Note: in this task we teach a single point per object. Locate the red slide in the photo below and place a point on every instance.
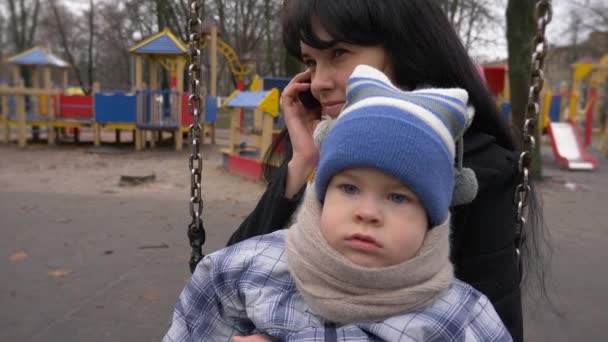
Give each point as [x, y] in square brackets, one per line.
[568, 148]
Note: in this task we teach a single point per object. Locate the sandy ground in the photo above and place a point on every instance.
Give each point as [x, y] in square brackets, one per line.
[83, 258]
[84, 169]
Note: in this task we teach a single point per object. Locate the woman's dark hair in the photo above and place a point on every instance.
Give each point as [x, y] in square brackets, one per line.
[424, 50]
[423, 47]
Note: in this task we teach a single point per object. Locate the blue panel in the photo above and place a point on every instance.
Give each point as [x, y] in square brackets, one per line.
[36, 56]
[505, 108]
[161, 45]
[275, 82]
[115, 108]
[248, 99]
[556, 103]
[210, 108]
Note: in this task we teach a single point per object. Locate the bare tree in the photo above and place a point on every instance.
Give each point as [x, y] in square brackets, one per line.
[472, 19]
[520, 31]
[63, 34]
[23, 18]
[595, 13]
[116, 34]
[90, 60]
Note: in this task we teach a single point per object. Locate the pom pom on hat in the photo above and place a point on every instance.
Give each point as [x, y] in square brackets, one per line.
[408, 134]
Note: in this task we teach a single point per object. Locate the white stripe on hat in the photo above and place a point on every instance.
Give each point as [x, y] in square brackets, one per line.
[420, 112]
[456, 96]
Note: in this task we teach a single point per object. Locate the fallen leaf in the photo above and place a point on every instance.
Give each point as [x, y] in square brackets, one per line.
[59, 273]
[19, 256]
[151, 296]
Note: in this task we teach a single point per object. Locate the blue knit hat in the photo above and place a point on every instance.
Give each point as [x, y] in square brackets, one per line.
[408, 134]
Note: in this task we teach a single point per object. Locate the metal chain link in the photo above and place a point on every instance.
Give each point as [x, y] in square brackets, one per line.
[542, 16]
[196, 231]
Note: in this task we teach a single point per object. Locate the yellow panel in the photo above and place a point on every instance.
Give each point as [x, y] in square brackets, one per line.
[118, 126]
[68, 124]
[546, 105]
[581, 70]
[37, 123]
[270, 103]
[256, 84]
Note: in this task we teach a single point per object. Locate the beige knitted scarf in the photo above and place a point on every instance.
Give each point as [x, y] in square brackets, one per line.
[343, 292]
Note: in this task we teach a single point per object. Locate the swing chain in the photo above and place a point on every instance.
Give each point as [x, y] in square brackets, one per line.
[196, 231]
[542, 16]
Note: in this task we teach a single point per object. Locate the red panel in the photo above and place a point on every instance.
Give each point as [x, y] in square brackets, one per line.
[187, 118]
[495, 77]
[76, 106]
[245, 167]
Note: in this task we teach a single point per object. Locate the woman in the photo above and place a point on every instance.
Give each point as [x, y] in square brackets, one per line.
[415, 45]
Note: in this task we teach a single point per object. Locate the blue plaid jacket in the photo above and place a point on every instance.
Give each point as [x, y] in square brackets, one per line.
[246, 289]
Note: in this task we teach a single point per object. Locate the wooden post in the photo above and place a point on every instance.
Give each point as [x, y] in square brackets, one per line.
[20, 113]
[95, 126]
[36, 101]
[213, 72]
[64, 83]
[573, 111]
[235, 131]
[152, 139]
[138, 132]
[266, 140]
[5, 114]
[16, 75]
[96, 134]
[258, 120]
[155, 110]
[176, 103]
[139, 144]
[178, 137]
[48, 85]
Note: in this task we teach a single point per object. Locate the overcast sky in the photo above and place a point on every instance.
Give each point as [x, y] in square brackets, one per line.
[556, 31]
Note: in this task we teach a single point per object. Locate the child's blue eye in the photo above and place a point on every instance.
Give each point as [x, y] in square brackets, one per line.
[349, 189]
[397, 198]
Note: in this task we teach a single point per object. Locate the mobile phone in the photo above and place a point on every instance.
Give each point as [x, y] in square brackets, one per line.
[308, 100]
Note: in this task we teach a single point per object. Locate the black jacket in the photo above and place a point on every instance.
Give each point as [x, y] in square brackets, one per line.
[483, 249]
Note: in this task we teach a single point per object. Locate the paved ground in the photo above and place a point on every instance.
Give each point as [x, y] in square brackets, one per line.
[84, 259]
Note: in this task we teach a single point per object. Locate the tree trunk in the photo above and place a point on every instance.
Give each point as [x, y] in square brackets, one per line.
[66, 45]
[520, 32]
[90, 66]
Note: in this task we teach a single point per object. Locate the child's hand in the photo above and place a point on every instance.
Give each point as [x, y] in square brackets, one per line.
[252, 338]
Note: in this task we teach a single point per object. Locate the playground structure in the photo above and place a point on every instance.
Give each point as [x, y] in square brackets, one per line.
[34, 106]
[244, 157]
[159, 110]
[497, 81]
[561, 114]
[147, 110]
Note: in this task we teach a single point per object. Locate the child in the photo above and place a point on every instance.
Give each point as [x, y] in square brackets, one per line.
[367, 257]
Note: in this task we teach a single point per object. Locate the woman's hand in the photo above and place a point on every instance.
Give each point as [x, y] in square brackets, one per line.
[252, 338]
[301, 123]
